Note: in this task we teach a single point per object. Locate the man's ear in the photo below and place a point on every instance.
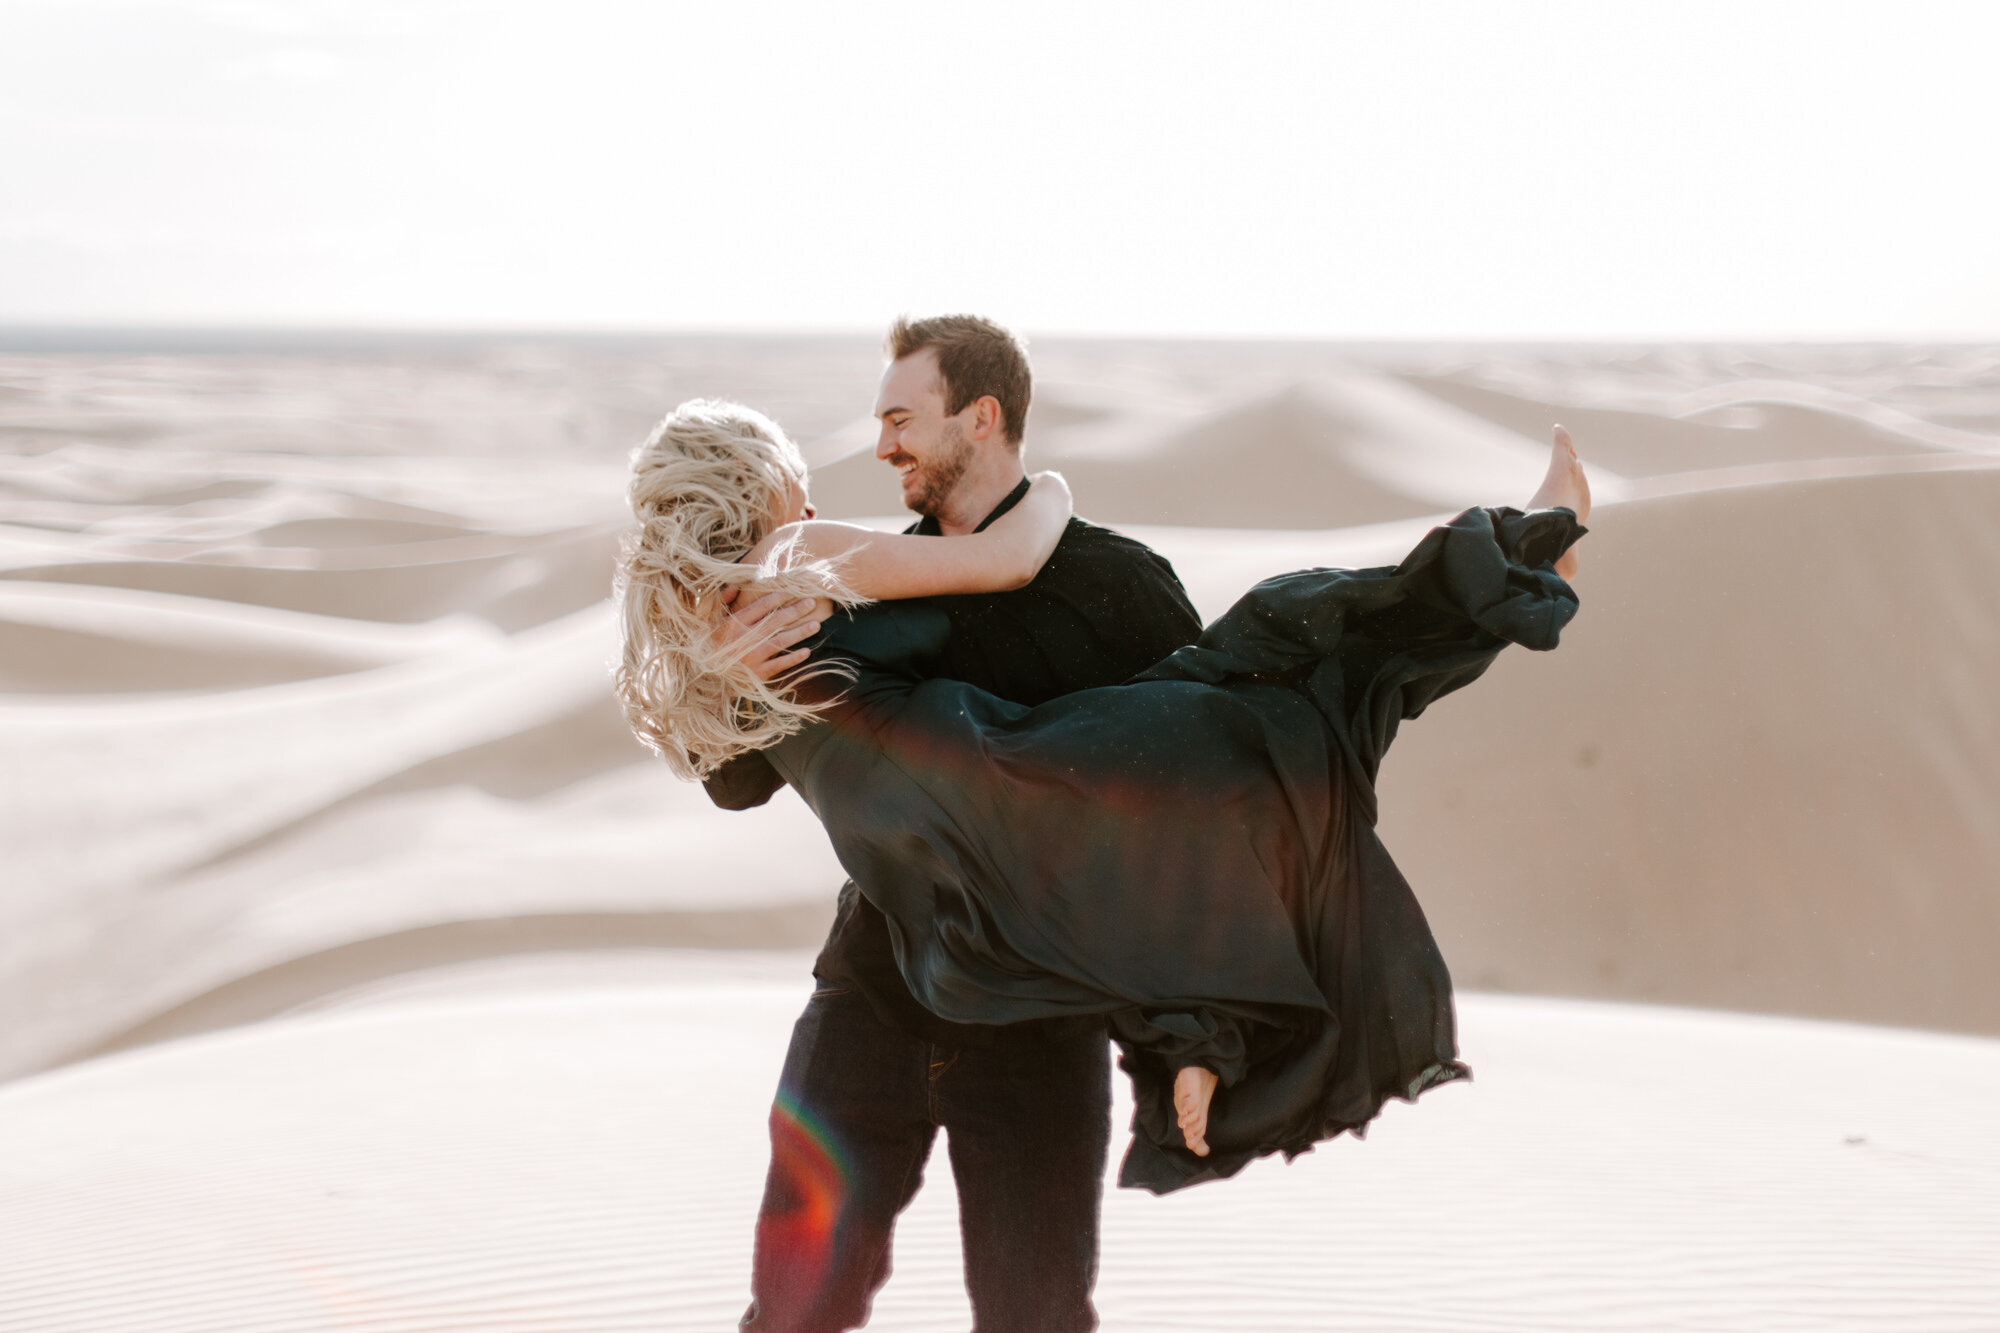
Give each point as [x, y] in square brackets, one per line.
[987, 418]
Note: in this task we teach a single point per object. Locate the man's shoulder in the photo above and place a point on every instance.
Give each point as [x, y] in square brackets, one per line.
[1084, 536]
[1099, 553]
[1102, 559]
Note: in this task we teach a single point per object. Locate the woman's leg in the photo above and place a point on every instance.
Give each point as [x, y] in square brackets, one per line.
[1564, 487]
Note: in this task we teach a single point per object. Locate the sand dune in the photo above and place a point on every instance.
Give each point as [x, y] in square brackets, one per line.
[255, 715]
[91, 639]
[1733, 430]
[177, 844]
[303, 658]
[305, 731]
[1235, 460]
[387, 396]
[1335, 449]
[528, 1153]
[1936, 396]
[1761, 772]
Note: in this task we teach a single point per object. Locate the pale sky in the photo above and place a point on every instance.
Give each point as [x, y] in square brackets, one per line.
[1620, 168]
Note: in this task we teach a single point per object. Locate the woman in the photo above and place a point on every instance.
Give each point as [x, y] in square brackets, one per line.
[1191, 854]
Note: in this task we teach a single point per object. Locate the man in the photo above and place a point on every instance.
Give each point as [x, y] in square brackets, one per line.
[871, 1075]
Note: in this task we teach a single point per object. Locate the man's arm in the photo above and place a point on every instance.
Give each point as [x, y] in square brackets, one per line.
[1150, 615]
[743, 783]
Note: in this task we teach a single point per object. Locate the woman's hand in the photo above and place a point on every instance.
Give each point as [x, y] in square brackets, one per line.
[762, 631]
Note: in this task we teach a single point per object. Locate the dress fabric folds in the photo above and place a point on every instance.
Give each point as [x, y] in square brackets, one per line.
[1191, 854]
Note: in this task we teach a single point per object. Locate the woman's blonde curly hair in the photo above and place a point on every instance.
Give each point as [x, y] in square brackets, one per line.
[704, 486]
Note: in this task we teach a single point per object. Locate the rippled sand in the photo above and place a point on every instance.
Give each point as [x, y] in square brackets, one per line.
[578, 1145]
[304, 687]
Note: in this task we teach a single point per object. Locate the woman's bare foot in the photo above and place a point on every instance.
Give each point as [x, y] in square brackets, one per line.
[1564, 485]
[1193, 1087]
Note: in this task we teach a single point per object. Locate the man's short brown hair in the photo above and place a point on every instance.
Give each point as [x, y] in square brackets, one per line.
[976, 359]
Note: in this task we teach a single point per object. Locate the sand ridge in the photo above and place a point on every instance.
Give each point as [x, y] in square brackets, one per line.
[308, 648]
[314, 796]
[1785, 803]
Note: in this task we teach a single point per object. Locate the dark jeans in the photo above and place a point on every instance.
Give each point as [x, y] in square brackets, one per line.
[1029, 1121]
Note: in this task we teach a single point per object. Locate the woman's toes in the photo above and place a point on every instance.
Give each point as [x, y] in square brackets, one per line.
[1193, 1087]
[1564, 484]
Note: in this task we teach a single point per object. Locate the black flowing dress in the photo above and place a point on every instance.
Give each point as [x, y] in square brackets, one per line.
[1192, 853]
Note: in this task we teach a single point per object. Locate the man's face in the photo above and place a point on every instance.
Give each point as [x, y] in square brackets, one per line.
[928, 449]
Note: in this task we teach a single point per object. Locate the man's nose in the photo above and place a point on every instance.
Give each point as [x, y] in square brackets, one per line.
[885, 443]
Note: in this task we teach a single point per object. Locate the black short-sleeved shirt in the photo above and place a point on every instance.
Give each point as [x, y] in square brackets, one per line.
[1101, 610]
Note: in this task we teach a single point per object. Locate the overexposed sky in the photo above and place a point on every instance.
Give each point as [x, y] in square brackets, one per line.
[1620, 168]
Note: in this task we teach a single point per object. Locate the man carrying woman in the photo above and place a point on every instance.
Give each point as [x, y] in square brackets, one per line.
[1188, 857]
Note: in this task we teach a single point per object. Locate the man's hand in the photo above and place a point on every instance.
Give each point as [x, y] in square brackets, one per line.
[763, 631]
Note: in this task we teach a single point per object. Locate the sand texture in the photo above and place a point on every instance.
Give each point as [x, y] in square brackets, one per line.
[518, 1152]
[304, 657]
[1788, 800]
[304, 695]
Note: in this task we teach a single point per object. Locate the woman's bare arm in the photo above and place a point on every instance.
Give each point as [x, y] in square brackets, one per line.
[888, 566]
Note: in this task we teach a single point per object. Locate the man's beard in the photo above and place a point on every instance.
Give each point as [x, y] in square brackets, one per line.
[937, 479]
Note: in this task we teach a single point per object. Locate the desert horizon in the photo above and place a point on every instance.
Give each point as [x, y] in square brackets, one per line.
[360, 971]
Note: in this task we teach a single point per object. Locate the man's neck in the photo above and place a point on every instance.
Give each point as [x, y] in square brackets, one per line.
[976, 494]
